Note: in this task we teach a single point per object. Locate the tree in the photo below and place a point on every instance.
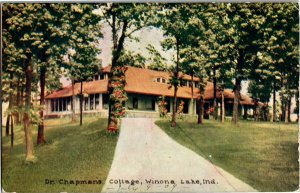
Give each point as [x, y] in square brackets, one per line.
[242, 22]
[156, 60]
[24, 39]
[261, 91]
[124, 20]
[130, 58]
[211, 27]
[82, 43]
[84, 66]
[49, 41]
[278, 52]
[172, 20]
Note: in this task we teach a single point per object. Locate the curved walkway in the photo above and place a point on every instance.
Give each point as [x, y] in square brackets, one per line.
[156, 163]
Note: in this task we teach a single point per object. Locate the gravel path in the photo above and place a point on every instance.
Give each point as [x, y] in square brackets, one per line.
[148, 160]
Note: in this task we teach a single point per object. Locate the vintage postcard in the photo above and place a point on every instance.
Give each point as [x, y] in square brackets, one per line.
[149, 97]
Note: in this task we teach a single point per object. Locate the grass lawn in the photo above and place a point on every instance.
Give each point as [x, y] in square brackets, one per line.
[71, 153]
[262, 154]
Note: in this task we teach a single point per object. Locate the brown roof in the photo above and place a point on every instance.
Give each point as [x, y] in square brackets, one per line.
[228, 94]
[141, 81]
[92, 87]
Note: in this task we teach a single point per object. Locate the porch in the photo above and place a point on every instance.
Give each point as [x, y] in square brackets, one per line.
[137, 105]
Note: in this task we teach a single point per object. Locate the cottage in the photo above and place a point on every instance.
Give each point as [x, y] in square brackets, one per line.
[143, 87]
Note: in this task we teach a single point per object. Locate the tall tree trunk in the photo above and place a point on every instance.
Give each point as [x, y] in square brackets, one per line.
[22, 102]
[26, 118]
[10, 101]
[81, 101]
[192, 91]
[289, 109]
[173, 122]
[11, 131]
[200, 110]
[237, 87]
[40, 135]
[274, 104]
[73, 102]
[283, 110]
[282, 117]
[116, 52]
[7, 124]
[215, 105]
[297, 103]
[286, 117]
[236, 102]
[223, 107]
[17, 115]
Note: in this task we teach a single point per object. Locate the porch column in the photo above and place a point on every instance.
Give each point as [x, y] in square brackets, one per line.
[77, 104]
[48, 106]
[100, 101]
[191, 107]
[156, 106]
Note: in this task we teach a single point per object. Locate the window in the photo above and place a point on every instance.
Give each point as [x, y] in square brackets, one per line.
[184, 83]
[96, 101]
[96, 77]
[92, 102]
[53, 102]
[61, 104]
[69, 104]
[160, 79]
[56, 104]
[86, 103]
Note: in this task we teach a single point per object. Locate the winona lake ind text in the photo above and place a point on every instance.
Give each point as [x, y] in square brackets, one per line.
[131, 182]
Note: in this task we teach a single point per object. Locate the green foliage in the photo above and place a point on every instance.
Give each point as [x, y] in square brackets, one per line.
[132, 59]
[156, 60]
[82, 42]
[260, 91]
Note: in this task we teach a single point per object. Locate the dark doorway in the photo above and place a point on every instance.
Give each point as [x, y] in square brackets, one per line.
[135, 103]
[105, 101]
[153, 104]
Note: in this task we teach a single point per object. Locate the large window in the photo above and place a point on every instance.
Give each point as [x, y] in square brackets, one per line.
[61, 104]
